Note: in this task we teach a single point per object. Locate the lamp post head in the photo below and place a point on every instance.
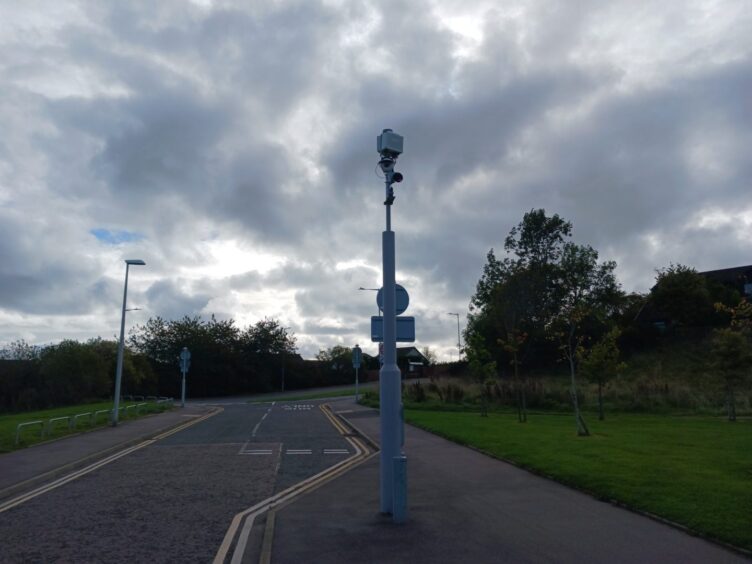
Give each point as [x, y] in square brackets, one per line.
[135, 262]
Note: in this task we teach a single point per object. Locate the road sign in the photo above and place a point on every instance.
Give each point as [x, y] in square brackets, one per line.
[405, 329]
[402, 299]
[357, 356]
[185, 359]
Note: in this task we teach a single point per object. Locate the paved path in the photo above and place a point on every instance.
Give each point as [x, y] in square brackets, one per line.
[467, 507]
[21, 465]
[174, 499]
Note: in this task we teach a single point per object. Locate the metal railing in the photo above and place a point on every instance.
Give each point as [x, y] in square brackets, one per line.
[51, 422]
[74, 421]
[45, 428]
[27, 424]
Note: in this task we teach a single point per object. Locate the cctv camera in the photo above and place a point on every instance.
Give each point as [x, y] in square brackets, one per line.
[389, 143]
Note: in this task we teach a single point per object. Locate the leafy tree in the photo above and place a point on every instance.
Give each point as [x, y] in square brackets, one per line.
[430, 355]
[682, 294]
[483, 368]
[741, 315]
[338, 362]
[515, 299]
[732, 359]
[75, 372]
[21, 350]
[601, 363]
[587, 291]
[268, 337]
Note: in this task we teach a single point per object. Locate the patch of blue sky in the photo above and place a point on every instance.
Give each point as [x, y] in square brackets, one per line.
[115, 237]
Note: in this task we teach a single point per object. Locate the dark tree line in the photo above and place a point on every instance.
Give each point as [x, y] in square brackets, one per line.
[225, 360]
[68, 373]
[550, 300]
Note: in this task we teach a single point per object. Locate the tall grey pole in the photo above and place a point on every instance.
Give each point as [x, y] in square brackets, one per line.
[459, 344]
[389, 376]
[182, 388]
[119, 370]
[357, 396]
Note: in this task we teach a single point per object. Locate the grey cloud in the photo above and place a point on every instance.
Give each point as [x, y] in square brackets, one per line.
[166, 299]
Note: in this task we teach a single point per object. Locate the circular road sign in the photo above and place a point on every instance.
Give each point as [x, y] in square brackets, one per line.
[402, 299]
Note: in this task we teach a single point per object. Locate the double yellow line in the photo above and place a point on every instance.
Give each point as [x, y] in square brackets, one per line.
[96, 465]
[278, 501]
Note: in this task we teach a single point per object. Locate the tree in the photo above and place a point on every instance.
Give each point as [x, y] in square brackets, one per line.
[586, 291]
[601, 363]
[515, 298]
[483, 369]
[268, 336]
[682, 294]
[338, 362]
[430, 355]
[75, 372]
[732, 359]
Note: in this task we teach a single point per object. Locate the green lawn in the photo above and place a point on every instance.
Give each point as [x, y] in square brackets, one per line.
[30, 435]
[696, 471]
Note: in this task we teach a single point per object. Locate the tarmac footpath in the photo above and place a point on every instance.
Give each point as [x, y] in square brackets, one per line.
[24, 469]
[465, 506]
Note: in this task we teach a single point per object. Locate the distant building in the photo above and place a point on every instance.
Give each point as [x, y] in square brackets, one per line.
[411, 362]
[739, 278]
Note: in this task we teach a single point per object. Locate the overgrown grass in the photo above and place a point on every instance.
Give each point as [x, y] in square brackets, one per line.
[696, 471]
[317, 395]
[30, 435]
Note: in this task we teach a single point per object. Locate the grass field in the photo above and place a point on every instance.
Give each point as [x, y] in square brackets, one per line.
[317, 395]
[30, 435]
[696, 471]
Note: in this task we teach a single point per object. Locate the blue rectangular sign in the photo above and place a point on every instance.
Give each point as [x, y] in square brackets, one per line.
[405, 329]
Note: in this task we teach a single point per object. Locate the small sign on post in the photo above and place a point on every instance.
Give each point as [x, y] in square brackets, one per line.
[405, 329]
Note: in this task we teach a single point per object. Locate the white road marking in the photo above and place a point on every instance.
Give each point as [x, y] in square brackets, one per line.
[256, 428]
[336, 451]
[298, 407]
[257, 452]
[298, 451]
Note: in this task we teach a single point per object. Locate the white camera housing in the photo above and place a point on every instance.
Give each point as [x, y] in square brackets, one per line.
[389, 143]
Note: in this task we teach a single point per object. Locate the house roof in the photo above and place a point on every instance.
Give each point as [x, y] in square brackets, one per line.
[732, 275]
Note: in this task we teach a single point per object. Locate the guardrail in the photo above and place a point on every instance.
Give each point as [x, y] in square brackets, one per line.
[54, 420]
[98, 413]
[27, 424]
[46, 427]
[74, 421]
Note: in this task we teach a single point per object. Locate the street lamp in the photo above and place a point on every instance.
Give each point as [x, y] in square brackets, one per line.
[378, 310]
[459, 346]
[119, 370]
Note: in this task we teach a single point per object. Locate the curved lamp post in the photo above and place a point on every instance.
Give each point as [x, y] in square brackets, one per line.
[119, 370]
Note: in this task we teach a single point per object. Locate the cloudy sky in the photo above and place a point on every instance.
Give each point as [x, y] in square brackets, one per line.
[231, 145]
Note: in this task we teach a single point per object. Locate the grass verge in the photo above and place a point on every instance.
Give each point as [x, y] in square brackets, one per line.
[31, 435]
[695, 471]
[313, 395]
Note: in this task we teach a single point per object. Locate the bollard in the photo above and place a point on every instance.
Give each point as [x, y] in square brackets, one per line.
[399, 497]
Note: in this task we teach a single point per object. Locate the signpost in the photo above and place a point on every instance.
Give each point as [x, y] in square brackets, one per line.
[401, 299]
[405, 329]
[357, 356]
[393, 463]
[185, 364]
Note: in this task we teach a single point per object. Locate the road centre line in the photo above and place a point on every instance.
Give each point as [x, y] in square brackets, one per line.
[86, 470]
[282, 498]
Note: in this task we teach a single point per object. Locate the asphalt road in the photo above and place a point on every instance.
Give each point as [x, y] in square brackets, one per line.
[173, 501]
